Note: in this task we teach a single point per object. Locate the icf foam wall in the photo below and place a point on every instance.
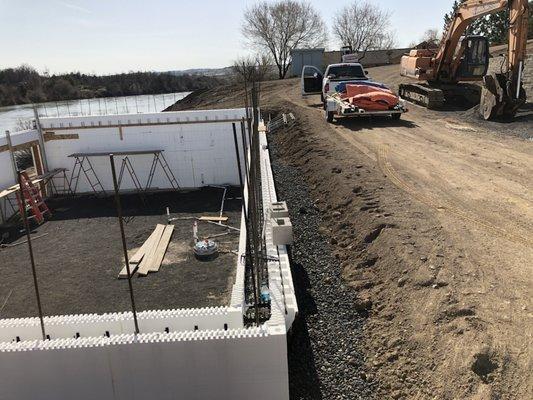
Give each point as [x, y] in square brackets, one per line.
[230, 365]
[180, 354]
[198, 145]
[284, 307]
[7, 176]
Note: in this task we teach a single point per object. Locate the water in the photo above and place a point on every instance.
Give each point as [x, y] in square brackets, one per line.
[16, 118]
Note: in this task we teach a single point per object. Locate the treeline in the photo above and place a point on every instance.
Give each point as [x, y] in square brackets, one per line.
[24, 85]
[495, 27]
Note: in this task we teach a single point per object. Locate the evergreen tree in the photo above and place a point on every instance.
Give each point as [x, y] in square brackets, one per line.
[494, 27]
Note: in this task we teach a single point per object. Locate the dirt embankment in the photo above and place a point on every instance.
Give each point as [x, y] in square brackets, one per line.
[430, 221]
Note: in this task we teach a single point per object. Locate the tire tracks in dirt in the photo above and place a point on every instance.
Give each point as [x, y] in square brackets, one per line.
[440, 205]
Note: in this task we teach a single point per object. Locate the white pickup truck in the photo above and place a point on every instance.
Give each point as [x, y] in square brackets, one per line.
[329, 84]
[314, 82]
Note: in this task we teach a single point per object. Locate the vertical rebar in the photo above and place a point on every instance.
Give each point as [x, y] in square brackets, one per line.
[42, 149]
[252, 213]
[246, 221]
[30, 249]
[123, 237]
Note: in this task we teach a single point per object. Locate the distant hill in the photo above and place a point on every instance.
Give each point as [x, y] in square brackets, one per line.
[203, 72]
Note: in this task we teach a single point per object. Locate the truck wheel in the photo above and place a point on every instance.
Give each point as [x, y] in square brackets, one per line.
[396, 117]
[329, 116]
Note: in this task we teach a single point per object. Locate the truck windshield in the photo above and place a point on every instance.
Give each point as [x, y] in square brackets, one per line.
[347, 71]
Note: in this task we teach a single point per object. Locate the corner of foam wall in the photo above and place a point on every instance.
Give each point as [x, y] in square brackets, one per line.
[84, 339]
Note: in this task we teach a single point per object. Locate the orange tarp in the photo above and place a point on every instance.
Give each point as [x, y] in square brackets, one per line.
[370, 98]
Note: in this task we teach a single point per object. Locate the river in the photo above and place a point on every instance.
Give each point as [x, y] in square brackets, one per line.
[12, 118]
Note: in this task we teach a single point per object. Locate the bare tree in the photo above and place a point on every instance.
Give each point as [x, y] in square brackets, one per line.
[363, 26]
[277, 28]
[252, 68]
[429, 40]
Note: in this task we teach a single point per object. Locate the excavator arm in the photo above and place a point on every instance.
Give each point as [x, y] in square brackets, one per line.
[465, 58]
[471, 10]
[447, 59]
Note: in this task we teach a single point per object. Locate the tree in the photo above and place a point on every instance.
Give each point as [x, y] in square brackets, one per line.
[493, 26]
[363, 26]
[277, 28]
[431, 35]
[252, 69]
[429, 40]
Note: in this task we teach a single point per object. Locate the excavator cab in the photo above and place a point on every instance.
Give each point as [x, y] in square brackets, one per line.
[474, 61]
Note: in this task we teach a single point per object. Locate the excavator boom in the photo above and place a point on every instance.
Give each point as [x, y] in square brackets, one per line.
[461, 58]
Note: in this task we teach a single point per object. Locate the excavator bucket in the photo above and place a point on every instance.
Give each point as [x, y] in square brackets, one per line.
[491, 98]
[498, 98]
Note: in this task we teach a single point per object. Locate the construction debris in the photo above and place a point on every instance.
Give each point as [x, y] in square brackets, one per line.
[24, 241]
[215, 219]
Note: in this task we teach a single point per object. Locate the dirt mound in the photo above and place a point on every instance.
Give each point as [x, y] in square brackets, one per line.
[429, 221]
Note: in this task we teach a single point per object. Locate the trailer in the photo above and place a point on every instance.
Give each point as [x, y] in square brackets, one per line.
[336, 107]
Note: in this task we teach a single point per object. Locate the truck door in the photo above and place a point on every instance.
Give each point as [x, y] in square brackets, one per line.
[311, 80]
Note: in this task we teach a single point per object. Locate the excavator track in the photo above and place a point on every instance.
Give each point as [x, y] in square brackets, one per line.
[423, 95]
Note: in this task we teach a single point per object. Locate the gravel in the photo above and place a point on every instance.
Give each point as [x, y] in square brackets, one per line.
[325, 361]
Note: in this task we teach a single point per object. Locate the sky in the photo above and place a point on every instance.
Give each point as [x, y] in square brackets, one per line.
[112, 36]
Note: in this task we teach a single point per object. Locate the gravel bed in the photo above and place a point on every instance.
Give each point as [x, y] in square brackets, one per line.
[324, 359]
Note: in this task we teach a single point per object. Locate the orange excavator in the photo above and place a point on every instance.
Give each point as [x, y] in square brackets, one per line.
[464, 58]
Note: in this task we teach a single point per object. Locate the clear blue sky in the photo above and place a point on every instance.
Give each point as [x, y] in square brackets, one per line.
[108, 36]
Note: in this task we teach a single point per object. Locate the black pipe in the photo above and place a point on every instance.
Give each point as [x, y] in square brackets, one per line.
[30, 249]
[123, 236]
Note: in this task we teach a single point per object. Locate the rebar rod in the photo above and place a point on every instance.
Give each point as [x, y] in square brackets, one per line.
[245, 212]
[30, 250]
[123, 237]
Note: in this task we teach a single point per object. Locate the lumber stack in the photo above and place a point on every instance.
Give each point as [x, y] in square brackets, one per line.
[150, 255]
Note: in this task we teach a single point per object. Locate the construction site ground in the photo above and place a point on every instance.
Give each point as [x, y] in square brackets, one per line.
[78, 255]
[430, 219]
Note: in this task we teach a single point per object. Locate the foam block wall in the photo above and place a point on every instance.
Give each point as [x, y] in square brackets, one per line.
[195, 365]
[198, 145]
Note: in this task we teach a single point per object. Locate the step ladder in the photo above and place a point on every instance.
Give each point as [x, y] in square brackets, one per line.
[60, 185]
[159, 158]
[84, 165]
[31, 199]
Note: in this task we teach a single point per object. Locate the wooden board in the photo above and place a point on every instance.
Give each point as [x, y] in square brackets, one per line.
[139, 255]
[216, 219]
[144, 266]
[35, 181]
[161, 249]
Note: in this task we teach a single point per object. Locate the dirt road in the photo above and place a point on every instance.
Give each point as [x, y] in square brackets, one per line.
[431, 219]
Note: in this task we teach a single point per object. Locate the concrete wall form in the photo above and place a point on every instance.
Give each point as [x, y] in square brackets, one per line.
[234, 364]
[220, 359]
[198, 145]
[284, 305]
[7, 176]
